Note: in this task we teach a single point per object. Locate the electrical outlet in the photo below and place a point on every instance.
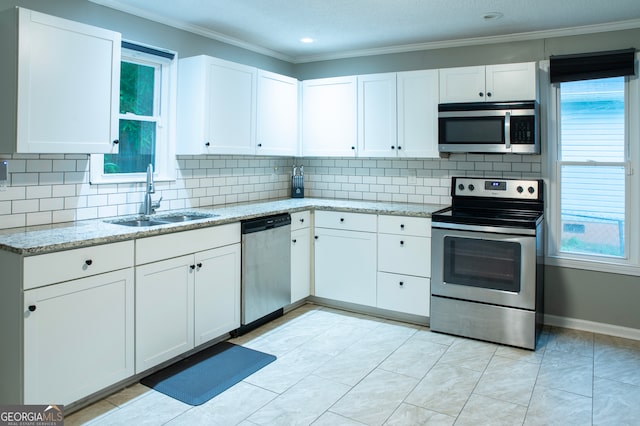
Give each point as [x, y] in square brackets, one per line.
[4, 174]
[412, 178]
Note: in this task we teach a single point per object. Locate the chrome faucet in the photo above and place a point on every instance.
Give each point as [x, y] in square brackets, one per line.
[149, 206]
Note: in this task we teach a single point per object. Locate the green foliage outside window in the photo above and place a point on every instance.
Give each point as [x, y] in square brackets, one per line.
[137, 137]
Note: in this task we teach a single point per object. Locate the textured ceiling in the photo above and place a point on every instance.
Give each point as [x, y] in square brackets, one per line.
[343, 28]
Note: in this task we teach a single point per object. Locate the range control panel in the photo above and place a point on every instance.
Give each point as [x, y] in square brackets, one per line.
[523, 189]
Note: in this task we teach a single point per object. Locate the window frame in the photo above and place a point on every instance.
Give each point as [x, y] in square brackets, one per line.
[165, 157]
[630, 264]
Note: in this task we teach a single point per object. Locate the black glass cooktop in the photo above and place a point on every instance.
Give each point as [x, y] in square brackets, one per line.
[488, 217]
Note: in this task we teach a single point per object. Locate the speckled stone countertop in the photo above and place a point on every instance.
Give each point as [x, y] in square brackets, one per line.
[41, 239]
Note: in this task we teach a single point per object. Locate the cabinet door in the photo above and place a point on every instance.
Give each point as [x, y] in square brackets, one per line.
[216, 292]
[277, 116]
[164, 310]
[418, 114]
[68, 86]
[462, 84]
[511, 82]
[300, 264]
[329, 117]
[231, 107]
[345, 266]
[377, 124]
[78, 337]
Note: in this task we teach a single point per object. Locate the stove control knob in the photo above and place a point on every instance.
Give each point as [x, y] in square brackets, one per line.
[461, 187]
[531, 190]
[520, 189]
[471, 187]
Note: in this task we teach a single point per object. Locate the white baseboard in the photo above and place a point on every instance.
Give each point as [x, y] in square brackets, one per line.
[594, 327]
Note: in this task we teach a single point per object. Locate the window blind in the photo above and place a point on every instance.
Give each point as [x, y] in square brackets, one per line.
[587, 66]
[148, 50]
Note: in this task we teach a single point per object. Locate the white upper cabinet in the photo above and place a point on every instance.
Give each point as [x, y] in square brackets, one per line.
[229, 108]
[277, 116]
[491, 83]
[329, 117]
[60, 85]
[377, 115]
[418, 114]
[216, 107]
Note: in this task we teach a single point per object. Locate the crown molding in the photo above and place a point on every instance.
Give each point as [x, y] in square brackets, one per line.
[475, 41]
[533, 35]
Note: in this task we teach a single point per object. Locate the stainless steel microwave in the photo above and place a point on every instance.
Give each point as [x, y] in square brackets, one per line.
[489, 127]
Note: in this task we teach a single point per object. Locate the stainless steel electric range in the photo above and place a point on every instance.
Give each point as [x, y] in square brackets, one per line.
[487, 270]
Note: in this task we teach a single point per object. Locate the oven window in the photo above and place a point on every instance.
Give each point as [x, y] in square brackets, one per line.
[482, 263]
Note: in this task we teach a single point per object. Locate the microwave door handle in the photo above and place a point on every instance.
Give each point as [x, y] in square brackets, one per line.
[507, 130]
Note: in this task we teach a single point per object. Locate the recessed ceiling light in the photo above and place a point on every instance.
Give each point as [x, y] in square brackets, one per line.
[306, 40]
[492, 16]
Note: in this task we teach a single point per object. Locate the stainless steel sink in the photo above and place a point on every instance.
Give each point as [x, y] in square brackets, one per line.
[162, 220]
[138, 222]
[185, 217]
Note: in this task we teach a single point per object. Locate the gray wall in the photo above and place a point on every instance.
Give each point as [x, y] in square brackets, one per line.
[144, 31]
[600, 297]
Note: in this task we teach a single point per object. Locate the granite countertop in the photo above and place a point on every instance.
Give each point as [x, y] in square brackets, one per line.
[41, 239]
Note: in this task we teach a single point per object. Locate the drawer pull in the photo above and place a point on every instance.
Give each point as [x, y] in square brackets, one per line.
[88, 262]
[32, 308]
[401, 283]
[402, 226]
[401, 243]
[301, 220]
[342, 219]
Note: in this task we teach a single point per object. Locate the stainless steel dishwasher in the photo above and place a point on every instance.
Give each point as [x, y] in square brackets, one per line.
[266, 269]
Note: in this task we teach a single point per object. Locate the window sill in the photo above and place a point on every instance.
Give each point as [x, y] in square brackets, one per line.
[593, 265]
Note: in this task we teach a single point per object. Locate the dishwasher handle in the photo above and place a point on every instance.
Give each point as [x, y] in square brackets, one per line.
[264, 223]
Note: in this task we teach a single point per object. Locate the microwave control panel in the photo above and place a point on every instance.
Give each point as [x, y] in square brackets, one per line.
[523, 130]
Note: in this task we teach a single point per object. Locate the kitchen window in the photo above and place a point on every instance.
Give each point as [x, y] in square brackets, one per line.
[146, 119]
[593, 161]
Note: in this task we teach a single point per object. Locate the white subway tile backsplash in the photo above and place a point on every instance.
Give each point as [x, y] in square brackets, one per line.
[55, 188]
[25, 206]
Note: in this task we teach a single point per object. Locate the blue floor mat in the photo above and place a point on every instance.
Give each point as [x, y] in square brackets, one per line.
[197, 379]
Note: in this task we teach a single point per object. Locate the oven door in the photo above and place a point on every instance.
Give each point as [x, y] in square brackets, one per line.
[484, 266]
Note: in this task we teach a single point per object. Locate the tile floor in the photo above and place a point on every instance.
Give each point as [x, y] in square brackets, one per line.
[339, 368]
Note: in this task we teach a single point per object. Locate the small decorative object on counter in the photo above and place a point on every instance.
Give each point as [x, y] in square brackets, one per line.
[297, 182]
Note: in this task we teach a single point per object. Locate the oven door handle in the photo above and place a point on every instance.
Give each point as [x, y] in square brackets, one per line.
[507, 130]
[483, 228]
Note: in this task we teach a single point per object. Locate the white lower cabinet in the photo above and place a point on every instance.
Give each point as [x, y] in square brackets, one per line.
[403, 293]
[300, 255]
[164, 311]
[404, 264]
[345, 259]
[78, 337]
[216, 293]
[189, 299]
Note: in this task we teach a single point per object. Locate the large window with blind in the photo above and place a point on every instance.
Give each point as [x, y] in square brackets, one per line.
[593, 151]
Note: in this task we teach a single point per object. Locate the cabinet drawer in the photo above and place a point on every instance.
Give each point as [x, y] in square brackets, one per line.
[404, 254]
[344, 220]
[67, 265]
[403, 293]
[405, 225]
[166, 246]
[300, 220]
